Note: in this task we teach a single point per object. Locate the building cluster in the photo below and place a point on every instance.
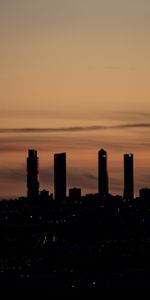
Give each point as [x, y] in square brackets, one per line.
[60, 176]
[98, 240]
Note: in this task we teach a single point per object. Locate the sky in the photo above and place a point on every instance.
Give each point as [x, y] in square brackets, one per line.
[78, 70]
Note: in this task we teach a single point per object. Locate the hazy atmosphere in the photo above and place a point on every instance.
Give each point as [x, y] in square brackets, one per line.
[74, 77]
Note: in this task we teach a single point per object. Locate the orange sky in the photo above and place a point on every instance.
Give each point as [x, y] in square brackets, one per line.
[74, 63]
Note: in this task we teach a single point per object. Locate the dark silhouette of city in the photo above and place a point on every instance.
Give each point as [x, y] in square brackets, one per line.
[73, 240]
[128, 177]
[102, 173]
[60, 176]
[32, 174]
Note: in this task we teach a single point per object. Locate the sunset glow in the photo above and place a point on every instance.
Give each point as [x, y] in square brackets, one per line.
[81, 65]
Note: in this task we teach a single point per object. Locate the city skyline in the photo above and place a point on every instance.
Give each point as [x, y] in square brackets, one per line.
[74, 78]
[103, 176]
[74, 144]
[60, 189]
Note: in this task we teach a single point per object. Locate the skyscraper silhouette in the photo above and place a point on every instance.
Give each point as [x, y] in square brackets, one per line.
[32, 174]
[128, 177]
[60, 176]
[102, 173]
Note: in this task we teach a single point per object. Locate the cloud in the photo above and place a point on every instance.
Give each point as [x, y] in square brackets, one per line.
[90, 176]
[73, 128]
[82, 179]
[13, 174]
[136, 113]
[75, 178]
[46, 130]
[65, 141]
[94, 114]
[134, 125]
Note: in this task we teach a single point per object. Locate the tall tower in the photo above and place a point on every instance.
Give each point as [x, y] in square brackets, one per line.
[60, 176]
[102, 173]
[128, 177]
[32, 174]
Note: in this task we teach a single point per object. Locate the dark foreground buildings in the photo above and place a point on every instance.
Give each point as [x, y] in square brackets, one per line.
[32, 174]
[60, 176]
[102, 173]
[75, 194]
[87, 243]
[80, 242]
[128, 177]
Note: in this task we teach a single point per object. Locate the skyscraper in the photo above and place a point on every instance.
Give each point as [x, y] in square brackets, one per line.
[32, 174]
[128, 177]
[60, 176]
[102, 173]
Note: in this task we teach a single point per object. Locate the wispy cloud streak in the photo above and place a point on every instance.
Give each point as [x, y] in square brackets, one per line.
[73, 128]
